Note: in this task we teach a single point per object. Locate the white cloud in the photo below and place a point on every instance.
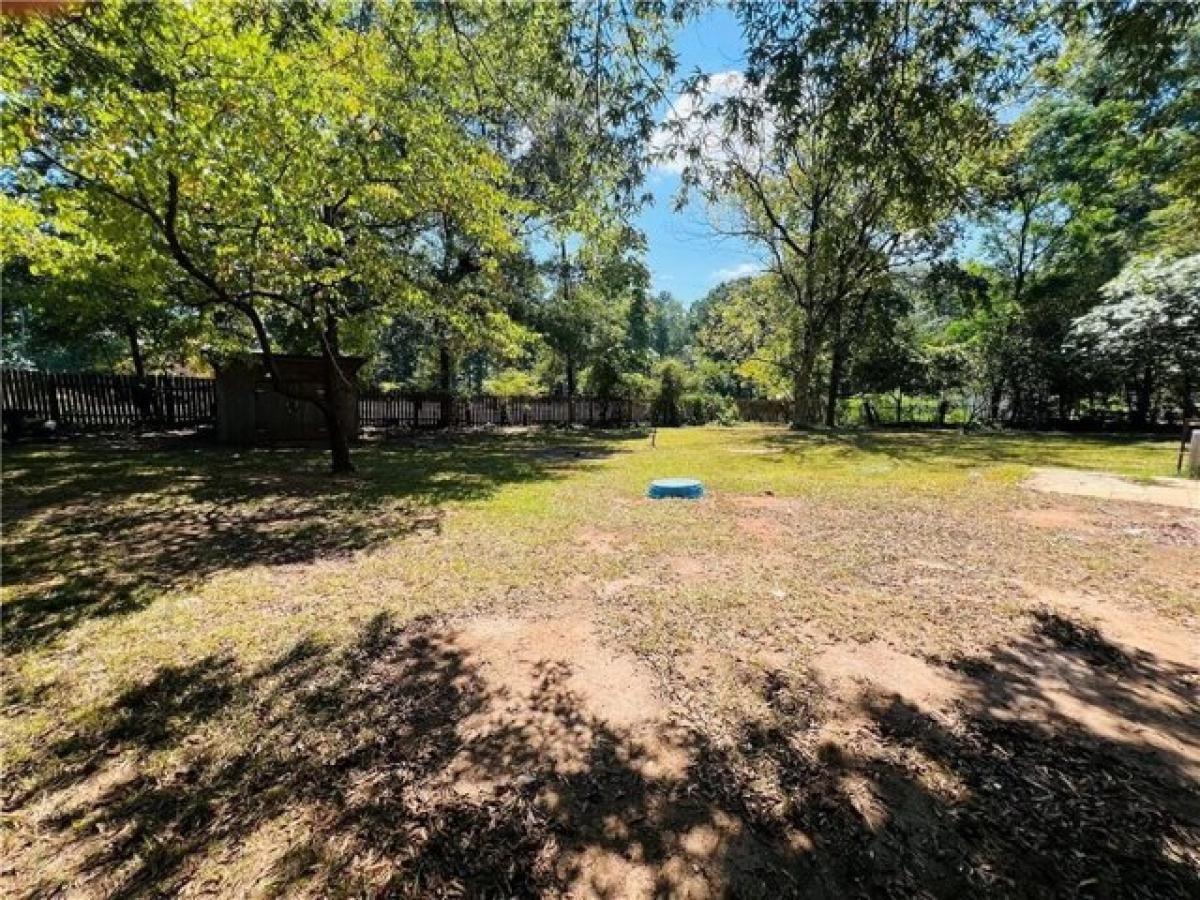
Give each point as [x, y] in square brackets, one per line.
[684, 124]
[729, 273]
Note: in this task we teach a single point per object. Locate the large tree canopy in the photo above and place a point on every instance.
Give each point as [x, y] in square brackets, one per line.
[304, 165]
[936, 195]
[1147, 327]
[844, 150]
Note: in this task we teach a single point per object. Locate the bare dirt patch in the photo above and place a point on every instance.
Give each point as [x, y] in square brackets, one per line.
[599, 541]
[1056, 518]
[1133, 626]
[1066, 728]
[1162, 491]
[690, 569]
[618, 587]
[584, 728]
[514, 654]
[763, 530]
[848, 670]
[1165, 526]
[766, 501]
[1173, 532]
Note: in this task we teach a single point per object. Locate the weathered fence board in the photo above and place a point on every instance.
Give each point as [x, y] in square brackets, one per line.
[379, 409]
[762, 410]
[98, 401]
[92, 400]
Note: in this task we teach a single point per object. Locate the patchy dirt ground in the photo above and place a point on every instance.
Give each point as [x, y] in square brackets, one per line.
[1161, 491]
[563, 689]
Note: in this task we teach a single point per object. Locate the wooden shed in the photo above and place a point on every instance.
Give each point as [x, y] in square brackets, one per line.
[250, 412]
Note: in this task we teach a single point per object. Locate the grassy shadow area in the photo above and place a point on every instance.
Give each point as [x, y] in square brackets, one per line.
[100, 527]
[1004, 797]
[326, 770]
[1136, 456]
[437, 718]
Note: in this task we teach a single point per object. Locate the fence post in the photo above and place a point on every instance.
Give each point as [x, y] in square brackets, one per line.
[167, 403]
[55, 409]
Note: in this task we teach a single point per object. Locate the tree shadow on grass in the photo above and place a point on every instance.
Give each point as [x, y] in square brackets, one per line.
[339, 742]
[101, 528]
[1004, 796]
[956, 449]
[363, 769]
[349, 770]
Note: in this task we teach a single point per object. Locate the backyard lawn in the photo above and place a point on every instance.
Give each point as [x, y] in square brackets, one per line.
[864, 664]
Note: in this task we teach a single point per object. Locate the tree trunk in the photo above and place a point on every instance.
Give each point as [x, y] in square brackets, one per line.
[564, 275]
[135, 350]
[446, 385]
[336, 396]
[994, 405]
[142, 395]
[1018, 403]
[571, 376]
[1185, 392]
[869, 410]
[899, 406]
[802, 382]
[339, 441]
[836, 364]
[1145, 393]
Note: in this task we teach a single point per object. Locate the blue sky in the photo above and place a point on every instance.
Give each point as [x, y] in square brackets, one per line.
[684, 257]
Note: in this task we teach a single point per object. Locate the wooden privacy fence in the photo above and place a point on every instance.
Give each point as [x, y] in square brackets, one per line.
[762, 410]
[379, 409]
[96, 401]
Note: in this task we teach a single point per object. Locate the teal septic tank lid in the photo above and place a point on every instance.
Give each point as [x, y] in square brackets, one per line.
[684, 488]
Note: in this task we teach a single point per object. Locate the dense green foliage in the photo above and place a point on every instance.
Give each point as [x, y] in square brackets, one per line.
[990, 206]
[301, 176]
[942, 193]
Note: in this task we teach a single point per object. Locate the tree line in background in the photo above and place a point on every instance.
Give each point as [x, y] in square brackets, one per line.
[993, 204]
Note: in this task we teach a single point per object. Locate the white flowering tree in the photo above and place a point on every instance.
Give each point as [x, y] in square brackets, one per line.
[1148, 328]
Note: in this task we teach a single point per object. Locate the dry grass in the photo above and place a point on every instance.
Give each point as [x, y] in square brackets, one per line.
[228, 672]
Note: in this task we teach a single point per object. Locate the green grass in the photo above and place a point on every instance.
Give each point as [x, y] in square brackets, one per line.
[173, 565]
[95, 531]
[111, 548]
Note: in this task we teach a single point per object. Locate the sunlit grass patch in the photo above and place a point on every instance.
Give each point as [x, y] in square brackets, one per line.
[135, 574]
